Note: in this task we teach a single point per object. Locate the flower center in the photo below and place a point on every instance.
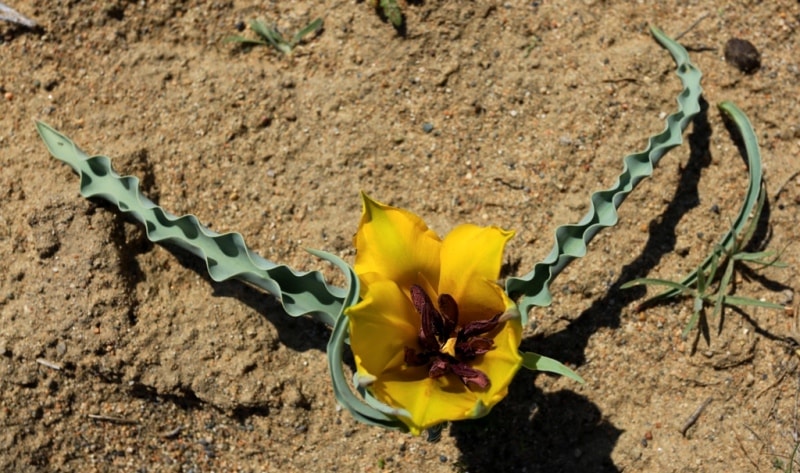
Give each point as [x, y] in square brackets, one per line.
[446, 347]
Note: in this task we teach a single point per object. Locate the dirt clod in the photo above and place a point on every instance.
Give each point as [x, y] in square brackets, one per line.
[743, 54]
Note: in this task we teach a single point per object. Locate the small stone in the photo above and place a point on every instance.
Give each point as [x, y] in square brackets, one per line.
[265, 121]
[61, 348]
[742, 54]
[50, 84]
[427, 127]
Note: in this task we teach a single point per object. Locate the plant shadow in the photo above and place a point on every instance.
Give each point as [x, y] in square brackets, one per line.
[296, 333]
[538, 432]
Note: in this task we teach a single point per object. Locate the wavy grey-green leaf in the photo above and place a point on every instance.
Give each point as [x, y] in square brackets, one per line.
[571, 242]
[369, 411]
[226, 255]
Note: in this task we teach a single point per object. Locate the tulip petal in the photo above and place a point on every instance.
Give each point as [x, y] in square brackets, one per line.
[502, 362]
[380, 326]
[471, 257]
[429, 401]
[396, 244]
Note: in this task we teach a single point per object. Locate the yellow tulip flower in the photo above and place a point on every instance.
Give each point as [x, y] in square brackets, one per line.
[434, 336]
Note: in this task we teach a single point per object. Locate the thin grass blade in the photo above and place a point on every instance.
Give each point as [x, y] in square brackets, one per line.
[311, 27]
[746, 301]
[691, 324]
[657, 282]
[754, 189]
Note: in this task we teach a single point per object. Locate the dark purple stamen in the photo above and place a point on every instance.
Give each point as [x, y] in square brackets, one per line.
[432, 321]
[469, 374]
[449, 311]
[437, 327]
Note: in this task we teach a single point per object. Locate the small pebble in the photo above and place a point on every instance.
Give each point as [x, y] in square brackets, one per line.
[742, 54]
[427, 127]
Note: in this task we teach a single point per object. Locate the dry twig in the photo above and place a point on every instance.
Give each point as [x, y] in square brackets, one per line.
[693, 418]
[49, 364]
[692, 26]
[114, 420]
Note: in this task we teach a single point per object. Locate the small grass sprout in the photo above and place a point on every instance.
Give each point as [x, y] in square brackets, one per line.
[714, 283]
[787, 466]
[271, 36]
[389, 10]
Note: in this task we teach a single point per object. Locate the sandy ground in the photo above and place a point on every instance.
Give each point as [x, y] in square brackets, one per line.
[532, 106]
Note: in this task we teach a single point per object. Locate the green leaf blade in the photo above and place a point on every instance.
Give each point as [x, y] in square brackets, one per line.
[746, 301]
[315, 25]
[535, 362]
[657, 282]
